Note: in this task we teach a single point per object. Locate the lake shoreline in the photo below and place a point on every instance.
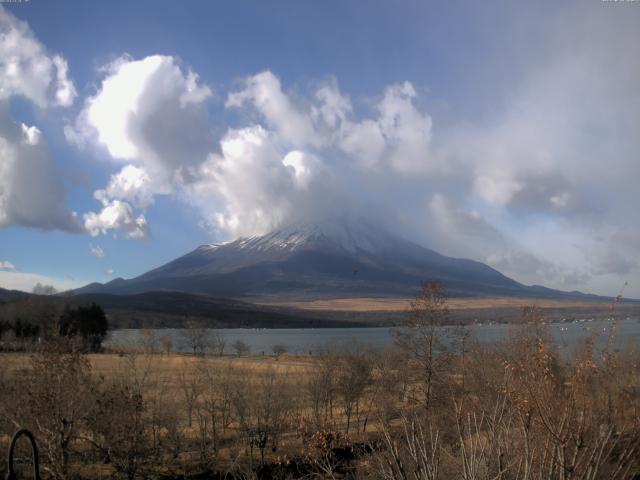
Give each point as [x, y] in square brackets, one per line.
[567, 336]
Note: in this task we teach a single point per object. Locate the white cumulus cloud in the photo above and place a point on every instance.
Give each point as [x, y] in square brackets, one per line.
[119, 216]
[131, 183]
[31, 191]
[152, 115]
[258, 184]
[27, 69]
[264, 92]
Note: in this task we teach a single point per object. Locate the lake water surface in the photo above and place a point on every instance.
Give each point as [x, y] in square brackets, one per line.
[309, 340]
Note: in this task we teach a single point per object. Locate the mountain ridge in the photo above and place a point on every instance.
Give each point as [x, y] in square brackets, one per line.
[329, 259]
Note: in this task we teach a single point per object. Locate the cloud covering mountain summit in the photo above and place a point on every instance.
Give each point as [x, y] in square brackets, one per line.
[516, 145]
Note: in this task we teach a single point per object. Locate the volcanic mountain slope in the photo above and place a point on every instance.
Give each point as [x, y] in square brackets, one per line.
[330, 259]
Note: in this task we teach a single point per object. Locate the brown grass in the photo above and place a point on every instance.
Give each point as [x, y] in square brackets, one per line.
[493, 407]
[366, 304]
[169, 366]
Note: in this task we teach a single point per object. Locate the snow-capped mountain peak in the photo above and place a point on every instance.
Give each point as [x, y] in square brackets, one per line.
[342, 256]
[350, 236]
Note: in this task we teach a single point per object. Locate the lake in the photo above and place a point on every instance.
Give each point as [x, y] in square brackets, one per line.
[309, 340]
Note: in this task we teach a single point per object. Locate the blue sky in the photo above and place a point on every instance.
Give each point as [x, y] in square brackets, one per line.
[501, 131]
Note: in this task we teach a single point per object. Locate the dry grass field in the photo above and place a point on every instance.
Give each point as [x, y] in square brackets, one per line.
[168, 366]
[215, 412]
[402, 304]
[440, 408]
[139, 415]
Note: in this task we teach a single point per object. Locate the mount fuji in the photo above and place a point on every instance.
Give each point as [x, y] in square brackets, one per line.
[330, 259]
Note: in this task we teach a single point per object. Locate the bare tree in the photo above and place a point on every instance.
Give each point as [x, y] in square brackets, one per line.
[241, 348]
[354, 376]
[216, 342]
[171, 423]
[420, 338]
[58, 400]
[150, 342]
[166, 343]
[195, 337]
[262, 410]
[320, 385]
[191, 388]
[389, 386]
[413, 452]
[214, 409]
[118, 428]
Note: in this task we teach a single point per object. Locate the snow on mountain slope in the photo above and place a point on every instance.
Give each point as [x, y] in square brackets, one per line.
[354, 236]
[329, 259]
[357, 239]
